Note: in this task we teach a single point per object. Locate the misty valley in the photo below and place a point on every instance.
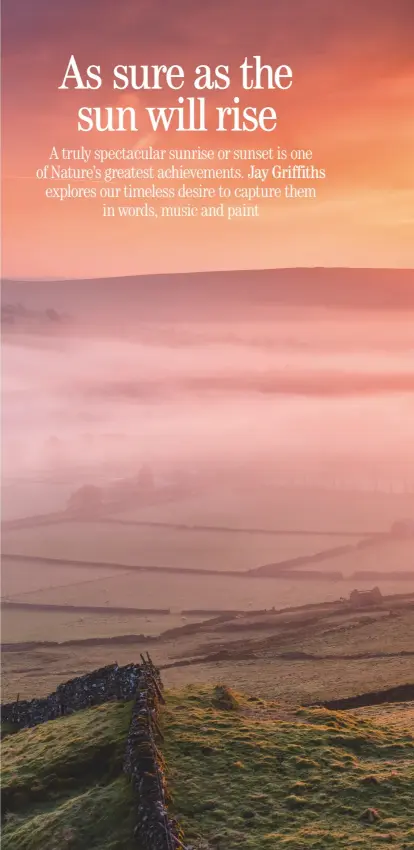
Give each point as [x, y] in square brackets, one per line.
[195, 474]
[210, 478]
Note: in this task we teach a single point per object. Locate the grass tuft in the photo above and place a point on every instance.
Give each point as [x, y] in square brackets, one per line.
[224, 699]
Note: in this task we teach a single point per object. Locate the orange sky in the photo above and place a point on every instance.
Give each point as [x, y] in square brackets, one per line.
[351, 102]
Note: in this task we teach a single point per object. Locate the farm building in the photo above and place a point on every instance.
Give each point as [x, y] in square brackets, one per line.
[363, 598]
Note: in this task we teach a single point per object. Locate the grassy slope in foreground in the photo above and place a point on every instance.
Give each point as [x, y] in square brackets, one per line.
[63, 783]
[254, 776]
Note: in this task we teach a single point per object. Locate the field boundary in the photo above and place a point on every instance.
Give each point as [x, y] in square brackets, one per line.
[231, 529]
[102, 685]
[142, 765]
[286, 568]
[400, 693]
[40, 559]
[79, 609]
[106, 518]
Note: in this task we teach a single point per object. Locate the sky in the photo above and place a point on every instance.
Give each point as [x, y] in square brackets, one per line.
[351, 103]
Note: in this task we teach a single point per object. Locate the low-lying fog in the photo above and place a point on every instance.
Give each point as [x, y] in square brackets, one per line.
[322, 395]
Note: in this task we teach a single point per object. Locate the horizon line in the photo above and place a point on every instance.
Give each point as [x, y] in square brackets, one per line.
[60, 279]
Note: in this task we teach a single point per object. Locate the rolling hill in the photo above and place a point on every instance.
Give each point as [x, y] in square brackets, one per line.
[218, 295]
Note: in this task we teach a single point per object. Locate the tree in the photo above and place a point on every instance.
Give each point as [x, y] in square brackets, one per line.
[87, 501]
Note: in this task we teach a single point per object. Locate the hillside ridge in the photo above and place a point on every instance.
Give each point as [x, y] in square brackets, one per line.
[220, 293]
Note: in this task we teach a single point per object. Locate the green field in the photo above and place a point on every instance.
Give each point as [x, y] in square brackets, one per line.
[62, 783]
[241, 772]
[255, 776]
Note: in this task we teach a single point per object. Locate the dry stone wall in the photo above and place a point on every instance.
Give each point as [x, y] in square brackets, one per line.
[400, 693]
[108, 683]
[143, 764]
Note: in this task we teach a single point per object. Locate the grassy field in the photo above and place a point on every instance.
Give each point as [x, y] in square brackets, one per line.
[367, 635]
[161, 547]
[260, 656]
[63, 786]
[296, 681]
[386, 556]
[398, 716]
[270, 507]
[256, 776]
[241, 772]
[175, 591]
[178, 592]
[22, 577]
[282, 508]
[38, 672]
[25, 625]
[67, 585]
